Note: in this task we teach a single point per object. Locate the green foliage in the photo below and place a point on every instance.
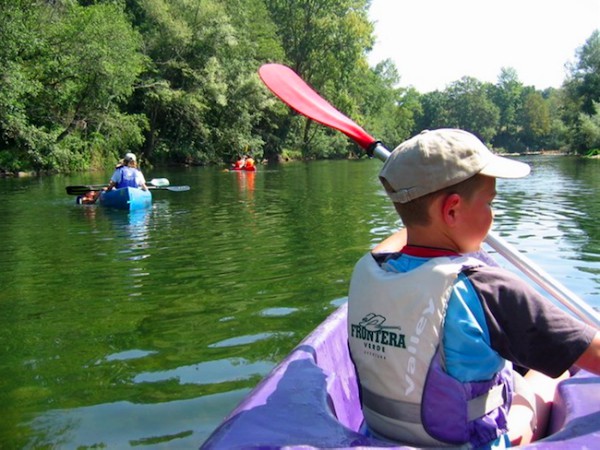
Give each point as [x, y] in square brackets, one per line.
[586, 73]
[472, 108]
[535, 119]
[467, 104]
[325, 42]
[507, 95]
[582, 93]
[590, 128]
[180, 85]
[67, 82]
[201, 94]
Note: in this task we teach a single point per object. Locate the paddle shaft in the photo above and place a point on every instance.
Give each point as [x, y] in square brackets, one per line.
[293, 91]
[81, 190]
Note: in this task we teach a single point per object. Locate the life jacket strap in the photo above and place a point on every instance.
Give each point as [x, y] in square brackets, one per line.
[397, 409]
[484, 404]
[411, 412]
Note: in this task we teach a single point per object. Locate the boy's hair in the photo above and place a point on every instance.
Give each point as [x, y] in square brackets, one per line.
[416, 212]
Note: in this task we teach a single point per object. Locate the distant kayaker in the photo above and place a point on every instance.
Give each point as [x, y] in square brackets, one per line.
[240, 163]
[249, 164]
[127, 174]
[433, 332]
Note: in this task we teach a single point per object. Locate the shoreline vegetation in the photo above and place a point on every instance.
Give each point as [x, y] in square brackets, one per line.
[181, 87]
[285, 160]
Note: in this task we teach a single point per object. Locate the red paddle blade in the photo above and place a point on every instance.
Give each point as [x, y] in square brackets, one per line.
[293, 90]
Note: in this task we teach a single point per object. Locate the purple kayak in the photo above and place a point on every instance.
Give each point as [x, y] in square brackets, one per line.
[311, 400]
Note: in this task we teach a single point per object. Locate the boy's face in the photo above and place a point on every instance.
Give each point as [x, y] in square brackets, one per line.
[477, 216]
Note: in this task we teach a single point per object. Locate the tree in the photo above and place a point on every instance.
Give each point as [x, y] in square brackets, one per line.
[507, 96]
[325, 42]
[387, 111]
[558, 133]
[17, 33]
[75, 76]
[201, 94]
[535, 120]
[586, 73]
[590, 130]
[471, 108]
[582, 90]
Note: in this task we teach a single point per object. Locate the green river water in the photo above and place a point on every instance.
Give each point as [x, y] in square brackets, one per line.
[122, 330]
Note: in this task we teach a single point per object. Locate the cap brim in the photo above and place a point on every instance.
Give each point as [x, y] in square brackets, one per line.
[500, 167]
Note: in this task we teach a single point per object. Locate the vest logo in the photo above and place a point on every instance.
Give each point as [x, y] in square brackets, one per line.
[376, 335]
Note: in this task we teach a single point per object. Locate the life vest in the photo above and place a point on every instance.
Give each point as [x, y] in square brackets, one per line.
[395, 340]
[249, 165]
[128, 177]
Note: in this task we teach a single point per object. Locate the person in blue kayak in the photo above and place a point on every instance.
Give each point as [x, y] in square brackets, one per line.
[433, 331]
[127, 174]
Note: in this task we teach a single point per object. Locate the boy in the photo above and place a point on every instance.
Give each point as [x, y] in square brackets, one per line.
[431, 331]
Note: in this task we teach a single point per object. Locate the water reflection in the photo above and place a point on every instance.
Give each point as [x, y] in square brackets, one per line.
[146, 329]
[245, 180]
[87, 426]
[220, 371]
[132, 225]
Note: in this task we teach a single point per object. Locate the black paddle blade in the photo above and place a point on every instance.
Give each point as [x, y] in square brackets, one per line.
[80, 190]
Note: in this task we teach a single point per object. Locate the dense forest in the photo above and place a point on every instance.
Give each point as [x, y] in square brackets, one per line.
[82, 82]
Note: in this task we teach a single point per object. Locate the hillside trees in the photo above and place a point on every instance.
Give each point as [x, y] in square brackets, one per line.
[507, 115]
[326, 43]
[582, 95]
[388, 112]
[176, 81]
[201, 93]
[66, 79]
[466, 104]
[507, 96]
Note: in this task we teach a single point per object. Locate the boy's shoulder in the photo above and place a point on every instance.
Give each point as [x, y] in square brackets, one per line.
[503, 290]
[493, 274]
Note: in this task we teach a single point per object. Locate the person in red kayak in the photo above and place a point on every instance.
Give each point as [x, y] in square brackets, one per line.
[433, 331]
[127, 174]
[239, 164]
[249, 164]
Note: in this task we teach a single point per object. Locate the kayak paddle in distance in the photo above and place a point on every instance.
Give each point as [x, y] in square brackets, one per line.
[298, 95]
[156, 183]
[164, 184]
[170, 188]
[159, 182]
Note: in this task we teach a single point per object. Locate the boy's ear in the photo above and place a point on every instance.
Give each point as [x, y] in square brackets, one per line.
[450, 205]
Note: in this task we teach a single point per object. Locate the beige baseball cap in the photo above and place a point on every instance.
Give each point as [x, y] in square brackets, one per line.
[436, 159]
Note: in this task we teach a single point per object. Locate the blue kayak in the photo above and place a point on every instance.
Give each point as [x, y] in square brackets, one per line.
[126, 198]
